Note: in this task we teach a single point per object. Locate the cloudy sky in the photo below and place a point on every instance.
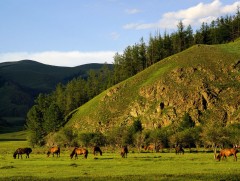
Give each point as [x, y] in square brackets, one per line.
[76, 32]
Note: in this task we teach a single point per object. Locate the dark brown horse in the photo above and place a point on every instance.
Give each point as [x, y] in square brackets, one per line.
[179, 150]
[79, 151]
[97, 149]
[54, 150]
[21, 151]
[224, 153]
[124, 152]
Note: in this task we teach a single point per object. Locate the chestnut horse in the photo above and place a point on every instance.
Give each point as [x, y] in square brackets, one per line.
[97, 149]
[124, 152]
[54, 150]
[79, 151]
[179, 150]
[21, 151]
[224, 153]
[150, 147]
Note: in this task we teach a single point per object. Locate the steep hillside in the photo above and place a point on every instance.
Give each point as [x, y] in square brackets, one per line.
[22, 81]
[203, 81]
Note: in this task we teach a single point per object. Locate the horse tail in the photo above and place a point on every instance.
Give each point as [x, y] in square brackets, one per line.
[86, 154]
[218, 157]
[73, 152]
[59, 151]
[48, 153]
[182, 151]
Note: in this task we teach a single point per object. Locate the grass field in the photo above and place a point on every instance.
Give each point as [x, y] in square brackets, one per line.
[110, 166]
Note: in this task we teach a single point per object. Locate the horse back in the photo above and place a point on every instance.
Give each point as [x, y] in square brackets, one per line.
[55, 149]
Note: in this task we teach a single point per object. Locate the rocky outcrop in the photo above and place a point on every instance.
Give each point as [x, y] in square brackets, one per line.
[193, 90]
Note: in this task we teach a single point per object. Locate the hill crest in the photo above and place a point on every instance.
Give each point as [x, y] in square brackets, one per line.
[195, 81]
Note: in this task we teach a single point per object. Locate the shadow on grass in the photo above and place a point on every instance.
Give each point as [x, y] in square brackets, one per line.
[12, 139]
[7, 167]
[167, 177]
[98, 158]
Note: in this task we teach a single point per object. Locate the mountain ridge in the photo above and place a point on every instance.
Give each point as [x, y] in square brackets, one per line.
[22, 81]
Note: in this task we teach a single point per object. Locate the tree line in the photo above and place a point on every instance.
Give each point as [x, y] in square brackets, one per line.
[185, 133]
[49, 112]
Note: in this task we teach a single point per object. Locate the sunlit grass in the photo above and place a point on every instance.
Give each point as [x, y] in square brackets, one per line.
[110, 166]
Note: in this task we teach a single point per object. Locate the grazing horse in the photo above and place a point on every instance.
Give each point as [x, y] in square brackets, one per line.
[124, 152]
[224, 153]
[54, 150]
[179, 150]
[21, 151]
[150, 147]
[97, 149]
[79, 151]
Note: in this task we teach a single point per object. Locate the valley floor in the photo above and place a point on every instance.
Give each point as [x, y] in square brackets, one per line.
[110, 166]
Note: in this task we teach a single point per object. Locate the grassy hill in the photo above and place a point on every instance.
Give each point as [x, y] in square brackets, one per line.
[203, 81]
[22, 81]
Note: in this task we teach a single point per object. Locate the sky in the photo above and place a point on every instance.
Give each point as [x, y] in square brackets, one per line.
[75, 32]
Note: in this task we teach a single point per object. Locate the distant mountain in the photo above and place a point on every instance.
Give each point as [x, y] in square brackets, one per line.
[22, 81]
[202, 81]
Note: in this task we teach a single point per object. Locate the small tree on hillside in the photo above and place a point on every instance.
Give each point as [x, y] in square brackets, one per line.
[215, 134]
[159, 137]
[135, 128]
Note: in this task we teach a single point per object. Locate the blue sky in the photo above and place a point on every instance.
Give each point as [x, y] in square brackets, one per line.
[75, 32]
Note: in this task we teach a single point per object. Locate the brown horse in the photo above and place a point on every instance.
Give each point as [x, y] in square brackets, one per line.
[124, 152]
[54, 150]
[97, 149]
[150, 147]
[21, 151]
[224, 153]
[79, 151]
[179, 150]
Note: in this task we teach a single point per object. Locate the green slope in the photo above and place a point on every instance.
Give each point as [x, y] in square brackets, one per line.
[203, 81]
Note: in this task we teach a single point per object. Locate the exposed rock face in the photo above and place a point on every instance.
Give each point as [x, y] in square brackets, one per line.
[181, 93]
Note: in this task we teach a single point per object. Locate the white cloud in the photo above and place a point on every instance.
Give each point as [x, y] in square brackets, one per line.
[132, 11]
[68, 59]
[194, 16]
[115, 35]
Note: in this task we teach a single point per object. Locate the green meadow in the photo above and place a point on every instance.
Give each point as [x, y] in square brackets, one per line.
[110, 166]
